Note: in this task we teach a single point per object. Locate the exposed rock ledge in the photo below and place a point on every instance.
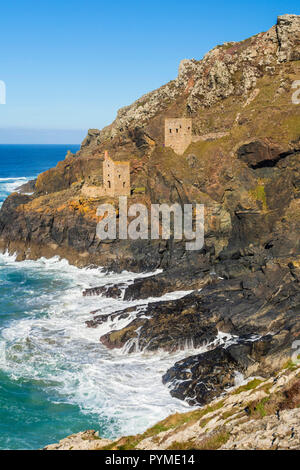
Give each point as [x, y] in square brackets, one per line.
[87, 440]
[261, 415]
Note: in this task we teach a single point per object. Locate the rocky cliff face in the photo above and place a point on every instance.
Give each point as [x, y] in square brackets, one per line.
[243, 165]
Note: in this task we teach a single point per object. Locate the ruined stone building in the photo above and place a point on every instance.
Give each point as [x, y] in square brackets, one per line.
[116, 177]
[178, 134]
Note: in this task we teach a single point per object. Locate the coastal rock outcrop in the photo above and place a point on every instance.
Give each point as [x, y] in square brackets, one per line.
[199, 379]
[242, 165]
[259, 415]
[288, 33]
[259, 312]
[247, 175]
[168, 325]
[86, 440]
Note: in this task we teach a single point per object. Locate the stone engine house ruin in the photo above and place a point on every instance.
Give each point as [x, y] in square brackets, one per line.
[116, 177]
[178, 134]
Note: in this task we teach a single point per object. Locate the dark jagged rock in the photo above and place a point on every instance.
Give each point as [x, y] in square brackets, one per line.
[259, 303]
[120, 315]
[184, 279]
[28, 187]
[199, 379]
[114, 291]
[260, 154]
[168, 325]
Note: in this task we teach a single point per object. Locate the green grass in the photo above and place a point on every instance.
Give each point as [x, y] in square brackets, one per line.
[249, 386]
[260, 407]
[214, 442]
[186, 445]
[139, 190]
[259, 194]
[171, 422]
[211, 443]
[290, 365]
[228, 414]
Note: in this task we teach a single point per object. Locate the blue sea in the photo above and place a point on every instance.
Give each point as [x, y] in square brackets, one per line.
[56, 378]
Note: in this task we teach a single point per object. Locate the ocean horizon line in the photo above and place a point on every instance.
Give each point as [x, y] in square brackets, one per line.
[40, 145]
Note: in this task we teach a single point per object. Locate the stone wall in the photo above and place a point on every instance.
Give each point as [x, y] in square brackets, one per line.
[116, 180]
[121, 179]
[178, 134]
[116, 177]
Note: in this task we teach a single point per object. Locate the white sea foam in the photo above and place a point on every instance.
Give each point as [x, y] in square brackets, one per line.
[52, 345]
[14, 182]
[16, 178]
[9, 185]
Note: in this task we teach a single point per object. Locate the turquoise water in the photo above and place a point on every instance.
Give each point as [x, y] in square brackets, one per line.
[56, 378]
[33, 408]
[23, 401]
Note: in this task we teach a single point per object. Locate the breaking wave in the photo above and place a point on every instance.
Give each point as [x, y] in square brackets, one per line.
[45, 343]
[9, 185]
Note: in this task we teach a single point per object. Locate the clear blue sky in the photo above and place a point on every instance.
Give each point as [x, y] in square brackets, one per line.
[69, 65]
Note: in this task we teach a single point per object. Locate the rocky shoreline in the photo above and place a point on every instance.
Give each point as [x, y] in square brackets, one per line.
[261, 415]
[244, 168]
[259, 313]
